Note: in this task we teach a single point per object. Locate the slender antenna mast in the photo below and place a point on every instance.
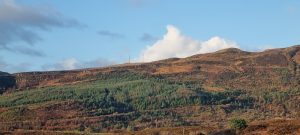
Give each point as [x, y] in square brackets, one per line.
[129, 59]
[143, 57]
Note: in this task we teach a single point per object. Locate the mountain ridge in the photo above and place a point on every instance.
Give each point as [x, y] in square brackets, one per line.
[227, 60]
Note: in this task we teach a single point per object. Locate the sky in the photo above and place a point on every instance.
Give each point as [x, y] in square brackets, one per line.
[44, 35]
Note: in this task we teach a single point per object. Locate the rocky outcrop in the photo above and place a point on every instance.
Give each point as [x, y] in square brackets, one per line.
[7, 81]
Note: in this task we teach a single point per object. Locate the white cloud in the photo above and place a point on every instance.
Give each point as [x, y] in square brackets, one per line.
[263, 48]
[21, 23]
[175, 44]
[68, 64]
[13, 68]
[3, 64]
[72, 63]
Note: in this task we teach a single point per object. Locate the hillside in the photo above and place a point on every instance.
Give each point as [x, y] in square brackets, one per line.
[237, 67]
[203, 91]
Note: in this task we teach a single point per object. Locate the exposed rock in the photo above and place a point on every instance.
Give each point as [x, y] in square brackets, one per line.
[6, 81]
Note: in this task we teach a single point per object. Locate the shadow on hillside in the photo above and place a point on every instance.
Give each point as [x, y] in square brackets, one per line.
[224, 132]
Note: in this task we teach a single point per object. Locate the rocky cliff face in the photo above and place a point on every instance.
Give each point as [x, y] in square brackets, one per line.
[7, 81]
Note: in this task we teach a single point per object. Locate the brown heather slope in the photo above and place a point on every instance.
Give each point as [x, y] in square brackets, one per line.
[270, 127]
[225, 69]
[269, 82]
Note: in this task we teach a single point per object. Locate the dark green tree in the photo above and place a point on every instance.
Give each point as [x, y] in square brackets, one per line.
[238, 123]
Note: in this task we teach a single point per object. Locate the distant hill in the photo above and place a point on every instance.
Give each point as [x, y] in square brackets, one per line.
[229, 68]
[204, 90]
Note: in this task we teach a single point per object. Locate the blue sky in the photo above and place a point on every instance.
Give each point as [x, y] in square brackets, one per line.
[61, 34]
